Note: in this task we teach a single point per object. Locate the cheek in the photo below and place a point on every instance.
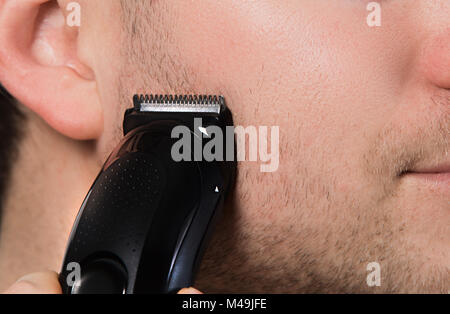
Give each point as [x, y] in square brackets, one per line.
[306, 66]
[312, 67]
[279, 58]
[220, 44]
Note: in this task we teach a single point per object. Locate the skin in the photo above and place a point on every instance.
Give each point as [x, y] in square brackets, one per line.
[363, 113]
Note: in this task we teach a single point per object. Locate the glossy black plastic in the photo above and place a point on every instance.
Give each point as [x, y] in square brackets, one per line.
[146, 220]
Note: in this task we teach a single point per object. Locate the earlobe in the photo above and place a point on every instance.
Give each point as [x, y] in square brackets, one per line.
[40, 67]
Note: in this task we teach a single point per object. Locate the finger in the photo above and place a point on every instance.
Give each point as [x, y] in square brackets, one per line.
[189, 291]
[37, 283]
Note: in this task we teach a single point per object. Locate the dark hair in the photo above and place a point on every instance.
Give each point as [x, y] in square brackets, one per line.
[11, 119]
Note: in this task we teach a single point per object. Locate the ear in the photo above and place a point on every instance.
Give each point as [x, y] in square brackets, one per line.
[39, 66]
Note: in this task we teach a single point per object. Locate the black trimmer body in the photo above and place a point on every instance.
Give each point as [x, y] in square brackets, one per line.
[146, 221]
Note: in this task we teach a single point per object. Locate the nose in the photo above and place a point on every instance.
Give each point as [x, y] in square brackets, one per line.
[436, 60]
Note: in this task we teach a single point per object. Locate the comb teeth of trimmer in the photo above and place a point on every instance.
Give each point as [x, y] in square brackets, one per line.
[179, 103]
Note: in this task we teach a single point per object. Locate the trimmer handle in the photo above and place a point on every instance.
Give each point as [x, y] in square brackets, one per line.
[146, 220]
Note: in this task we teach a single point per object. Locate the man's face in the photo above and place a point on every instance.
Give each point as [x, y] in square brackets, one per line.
[358, 108]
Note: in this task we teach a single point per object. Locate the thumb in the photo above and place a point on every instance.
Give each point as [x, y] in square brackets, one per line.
[189, 291]
[37, 283]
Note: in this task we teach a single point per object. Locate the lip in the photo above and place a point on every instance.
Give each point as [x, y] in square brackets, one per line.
[436, 177]
[438, 169]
